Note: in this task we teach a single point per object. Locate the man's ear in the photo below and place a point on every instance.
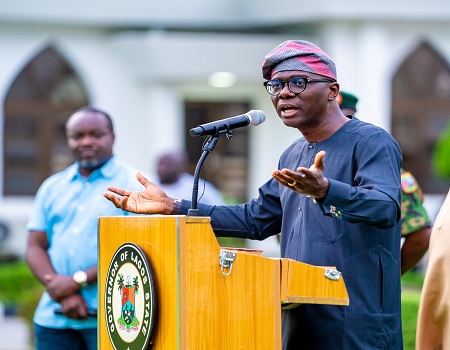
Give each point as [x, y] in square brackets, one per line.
[334, 91]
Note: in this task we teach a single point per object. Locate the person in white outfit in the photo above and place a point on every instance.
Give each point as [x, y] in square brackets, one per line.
[176, 182]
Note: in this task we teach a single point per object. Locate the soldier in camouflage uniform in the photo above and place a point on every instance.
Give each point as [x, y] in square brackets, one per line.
[416, 225]
[414, 215]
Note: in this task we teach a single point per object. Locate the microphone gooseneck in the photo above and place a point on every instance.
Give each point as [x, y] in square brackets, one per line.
[213, 131]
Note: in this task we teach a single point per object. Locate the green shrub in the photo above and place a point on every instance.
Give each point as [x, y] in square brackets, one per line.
[441, 154]
[413, 279]
[20, 290]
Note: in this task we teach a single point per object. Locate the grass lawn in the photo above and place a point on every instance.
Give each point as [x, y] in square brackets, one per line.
[411, 287]
[410, 307]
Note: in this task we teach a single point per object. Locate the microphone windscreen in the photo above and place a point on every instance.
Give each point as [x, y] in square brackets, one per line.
[256, 117]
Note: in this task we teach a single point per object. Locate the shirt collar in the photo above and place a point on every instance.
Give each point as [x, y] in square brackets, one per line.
[107, 170]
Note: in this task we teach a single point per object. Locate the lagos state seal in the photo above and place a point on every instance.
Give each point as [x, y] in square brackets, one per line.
[129, 299]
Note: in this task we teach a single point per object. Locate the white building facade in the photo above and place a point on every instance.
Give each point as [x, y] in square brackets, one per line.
[142, 62]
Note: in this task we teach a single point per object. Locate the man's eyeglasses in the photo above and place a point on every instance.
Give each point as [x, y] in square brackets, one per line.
[296, 84]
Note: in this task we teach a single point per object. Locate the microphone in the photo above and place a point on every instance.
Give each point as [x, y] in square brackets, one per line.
[253, 117]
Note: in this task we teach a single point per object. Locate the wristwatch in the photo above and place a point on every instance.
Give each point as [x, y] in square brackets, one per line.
[176, 207]
[81, 278]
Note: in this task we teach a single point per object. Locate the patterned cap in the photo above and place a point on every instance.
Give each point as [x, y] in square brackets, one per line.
[298, 55]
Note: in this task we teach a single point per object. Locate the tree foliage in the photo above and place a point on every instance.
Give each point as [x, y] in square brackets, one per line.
[441, 154]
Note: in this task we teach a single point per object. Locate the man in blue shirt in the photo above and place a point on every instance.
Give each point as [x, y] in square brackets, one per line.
[62, 243]
[335, 198]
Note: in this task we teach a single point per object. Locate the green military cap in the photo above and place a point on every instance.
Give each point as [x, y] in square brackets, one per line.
[347, 100]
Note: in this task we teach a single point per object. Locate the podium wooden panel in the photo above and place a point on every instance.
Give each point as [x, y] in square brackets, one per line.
[198, 307]
[306, 284]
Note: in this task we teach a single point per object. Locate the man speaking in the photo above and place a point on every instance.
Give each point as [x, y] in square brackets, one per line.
[335, 198]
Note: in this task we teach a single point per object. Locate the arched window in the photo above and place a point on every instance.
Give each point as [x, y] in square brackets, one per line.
[36, 108]
[420, 111]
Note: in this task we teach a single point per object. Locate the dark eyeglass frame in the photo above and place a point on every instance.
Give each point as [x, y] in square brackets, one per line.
[304, 80]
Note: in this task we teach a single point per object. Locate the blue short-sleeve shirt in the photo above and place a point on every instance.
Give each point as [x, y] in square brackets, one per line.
[67, 207]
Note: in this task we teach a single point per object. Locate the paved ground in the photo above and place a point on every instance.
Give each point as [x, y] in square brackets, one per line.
[14, 334]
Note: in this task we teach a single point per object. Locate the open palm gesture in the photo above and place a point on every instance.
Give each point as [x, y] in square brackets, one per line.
[152, 200]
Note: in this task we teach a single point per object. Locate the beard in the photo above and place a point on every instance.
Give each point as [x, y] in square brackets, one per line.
[93, 164]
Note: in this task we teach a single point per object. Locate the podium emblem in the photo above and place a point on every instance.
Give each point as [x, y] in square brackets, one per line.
[129, 298]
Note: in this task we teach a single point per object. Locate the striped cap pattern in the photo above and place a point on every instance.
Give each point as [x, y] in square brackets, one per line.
[298, 55]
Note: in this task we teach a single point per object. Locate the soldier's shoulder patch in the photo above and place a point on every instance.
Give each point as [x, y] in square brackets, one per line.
[408, 182]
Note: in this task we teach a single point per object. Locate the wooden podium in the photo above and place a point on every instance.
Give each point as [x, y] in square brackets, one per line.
[208, 297]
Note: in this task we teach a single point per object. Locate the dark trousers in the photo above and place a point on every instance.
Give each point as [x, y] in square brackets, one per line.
[65, 339]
